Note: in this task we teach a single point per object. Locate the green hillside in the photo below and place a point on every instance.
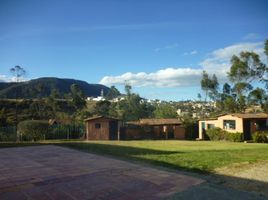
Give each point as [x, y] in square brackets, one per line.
[42, 87]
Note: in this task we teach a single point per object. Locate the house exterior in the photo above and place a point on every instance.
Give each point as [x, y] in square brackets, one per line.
[246, 123]
[155, 129]
[102, 128]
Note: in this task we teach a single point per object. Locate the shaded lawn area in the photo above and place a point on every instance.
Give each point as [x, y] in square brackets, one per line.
[200, 156]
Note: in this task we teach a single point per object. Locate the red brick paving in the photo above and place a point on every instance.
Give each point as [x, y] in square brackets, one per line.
[52, 172]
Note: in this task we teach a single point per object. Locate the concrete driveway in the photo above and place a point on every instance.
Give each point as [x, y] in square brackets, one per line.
[53, 172]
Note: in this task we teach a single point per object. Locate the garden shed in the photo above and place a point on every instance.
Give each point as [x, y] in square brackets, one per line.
[102, 128]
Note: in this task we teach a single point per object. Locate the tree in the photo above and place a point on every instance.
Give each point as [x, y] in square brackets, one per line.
[78, 98]
[209, 85]
[133, 107]
[257, 96]
[205, 83]
[38, 107]
[102, 108]
[242, 88]
[266, 71]
[52, 102]
[230, 105]
[165, 111]
[128, 89]
[199, 96]
[226, 89]
[246, 67]
[266, 47]
[112, 93]
[214, 85]
[18, 72]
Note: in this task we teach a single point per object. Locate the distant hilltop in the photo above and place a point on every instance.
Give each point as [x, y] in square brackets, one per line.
[42, 87]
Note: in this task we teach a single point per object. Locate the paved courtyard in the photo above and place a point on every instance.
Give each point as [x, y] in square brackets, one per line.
[53, 172]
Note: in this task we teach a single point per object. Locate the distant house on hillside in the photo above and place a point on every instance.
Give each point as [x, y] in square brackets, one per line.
[98, 98]
[246, 123]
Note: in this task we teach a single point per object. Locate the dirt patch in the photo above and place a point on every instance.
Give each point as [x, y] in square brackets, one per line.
[244, 176]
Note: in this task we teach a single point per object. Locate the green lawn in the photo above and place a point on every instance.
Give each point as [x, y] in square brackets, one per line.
[201, 156]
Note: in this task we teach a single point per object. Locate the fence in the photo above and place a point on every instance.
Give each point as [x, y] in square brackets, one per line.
[65, 132]
[8, 133]
[72, 131]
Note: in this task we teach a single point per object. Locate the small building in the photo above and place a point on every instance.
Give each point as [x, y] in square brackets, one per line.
[246, 123]
[155, 129]
[102, 128]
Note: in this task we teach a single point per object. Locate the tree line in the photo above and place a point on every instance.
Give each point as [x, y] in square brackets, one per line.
[239, 92]
[74, 107]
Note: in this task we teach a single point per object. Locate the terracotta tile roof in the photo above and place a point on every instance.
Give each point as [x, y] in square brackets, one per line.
[208, 119]
[98, 117]
[240, 115]
[171, 121]
[250, 115]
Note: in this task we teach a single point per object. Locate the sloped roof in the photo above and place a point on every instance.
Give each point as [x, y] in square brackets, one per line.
[98, 117]
[240, 115]
[250, 115]
[170, 121]
[208, 119]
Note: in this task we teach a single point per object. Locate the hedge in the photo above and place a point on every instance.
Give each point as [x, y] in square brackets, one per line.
[216, 134]
[41, 130]
[33, 129]
[260, 137]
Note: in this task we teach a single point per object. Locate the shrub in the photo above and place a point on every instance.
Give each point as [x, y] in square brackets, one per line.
[260, 137]
[219, 134]
[33, 129]
[234, 137]
[215, 134]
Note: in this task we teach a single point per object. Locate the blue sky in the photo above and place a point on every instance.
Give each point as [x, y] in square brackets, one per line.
[158, 46]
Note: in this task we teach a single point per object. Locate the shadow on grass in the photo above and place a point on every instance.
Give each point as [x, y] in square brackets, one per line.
[116, 150]
[131, 153]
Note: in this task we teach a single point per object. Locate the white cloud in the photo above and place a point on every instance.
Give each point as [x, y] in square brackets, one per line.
[171, 46]
[193, 52]
[4, 78]
[217, 62]
[168, 77]
[190, 53]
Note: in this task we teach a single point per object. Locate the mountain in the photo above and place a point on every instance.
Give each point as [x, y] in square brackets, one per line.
[42, 87]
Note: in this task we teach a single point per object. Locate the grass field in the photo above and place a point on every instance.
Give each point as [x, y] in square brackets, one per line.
[201, 156]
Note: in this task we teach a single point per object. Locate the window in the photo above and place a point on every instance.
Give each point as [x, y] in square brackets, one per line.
[229, 124]
[210, 126]
[97, 125]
